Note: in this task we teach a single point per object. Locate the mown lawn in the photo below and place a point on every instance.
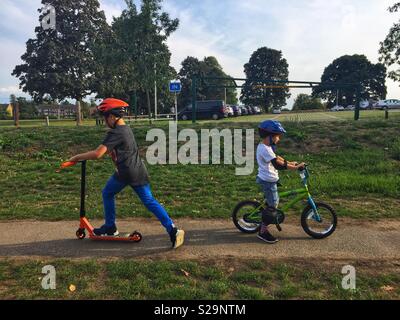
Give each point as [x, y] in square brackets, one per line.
[166, 280]
[354, 166]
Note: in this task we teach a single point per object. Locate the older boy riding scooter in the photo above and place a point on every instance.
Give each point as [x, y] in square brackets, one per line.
[120, 144]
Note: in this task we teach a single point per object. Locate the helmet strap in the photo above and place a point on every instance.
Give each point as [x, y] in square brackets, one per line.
[272, 144]
[115, 123]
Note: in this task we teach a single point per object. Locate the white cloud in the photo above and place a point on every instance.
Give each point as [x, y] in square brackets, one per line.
[310, 33]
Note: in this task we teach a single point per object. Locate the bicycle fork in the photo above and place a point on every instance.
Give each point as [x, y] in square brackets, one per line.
[316, 215]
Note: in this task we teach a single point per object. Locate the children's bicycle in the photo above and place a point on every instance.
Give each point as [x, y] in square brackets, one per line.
[318, 219]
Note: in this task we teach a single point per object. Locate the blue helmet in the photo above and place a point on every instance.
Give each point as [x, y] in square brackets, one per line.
[272, 126]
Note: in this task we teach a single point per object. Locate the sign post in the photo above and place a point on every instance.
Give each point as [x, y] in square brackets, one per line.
[175, 87]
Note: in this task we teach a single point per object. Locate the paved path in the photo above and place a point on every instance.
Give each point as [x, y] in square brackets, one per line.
[204, 239]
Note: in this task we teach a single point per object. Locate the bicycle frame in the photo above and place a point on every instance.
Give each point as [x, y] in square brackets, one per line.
[299, 194]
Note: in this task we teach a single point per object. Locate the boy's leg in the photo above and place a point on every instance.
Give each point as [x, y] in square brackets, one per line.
[272, 202]
[113, 187]
[268, 215]
[145, 195]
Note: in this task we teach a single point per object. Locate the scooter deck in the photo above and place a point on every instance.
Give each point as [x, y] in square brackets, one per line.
[124, 237]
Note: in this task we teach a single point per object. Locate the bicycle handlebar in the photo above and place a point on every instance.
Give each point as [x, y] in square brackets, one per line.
[303, 169]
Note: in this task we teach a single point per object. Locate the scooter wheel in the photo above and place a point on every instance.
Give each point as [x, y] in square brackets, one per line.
[81, 234]
[136, 236]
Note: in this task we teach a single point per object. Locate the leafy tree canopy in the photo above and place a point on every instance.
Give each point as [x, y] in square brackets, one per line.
[390, 47]
[206, 90]
[136, 55]
[265, 64]
[307, 102]
[355, 69]
[59, 63]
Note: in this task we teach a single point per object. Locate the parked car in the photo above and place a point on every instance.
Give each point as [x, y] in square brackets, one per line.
[276, 111]
[230, 111]
[337, 108]
[367, 104]
[350, 108]
[257, 110]
[237, 111]
[249, 110]
[212, 109]
[388, 104]
[244, 111]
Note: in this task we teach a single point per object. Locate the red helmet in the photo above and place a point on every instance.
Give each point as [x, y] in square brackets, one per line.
[110, 104]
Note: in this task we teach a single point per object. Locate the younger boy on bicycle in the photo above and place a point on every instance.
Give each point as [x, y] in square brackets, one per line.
[269, 164]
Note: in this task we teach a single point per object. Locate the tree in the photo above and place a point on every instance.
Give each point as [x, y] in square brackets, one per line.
[153, 53]
[390, 47]
[60, 61]
[191, 67]
[355, 69]
[135, 55]
[307, 102]
[265, 64]
[27, 108]
[209, 67]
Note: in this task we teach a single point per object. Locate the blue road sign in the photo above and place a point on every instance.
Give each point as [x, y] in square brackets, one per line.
[175, 86]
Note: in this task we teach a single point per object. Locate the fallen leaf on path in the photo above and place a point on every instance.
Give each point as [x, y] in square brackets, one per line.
[187, 274]
[387, 288]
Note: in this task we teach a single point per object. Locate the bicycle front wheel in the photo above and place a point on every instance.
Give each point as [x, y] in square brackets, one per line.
[247, 217]
[322, 226]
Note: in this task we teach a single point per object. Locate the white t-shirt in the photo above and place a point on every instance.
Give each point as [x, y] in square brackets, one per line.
[266, 171]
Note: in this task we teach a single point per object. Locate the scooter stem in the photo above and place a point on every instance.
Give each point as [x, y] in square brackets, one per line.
[83, 189]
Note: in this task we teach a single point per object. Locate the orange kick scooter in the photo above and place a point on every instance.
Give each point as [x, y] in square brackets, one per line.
[84, 222]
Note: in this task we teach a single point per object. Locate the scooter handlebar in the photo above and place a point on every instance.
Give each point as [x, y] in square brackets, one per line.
[68, 164]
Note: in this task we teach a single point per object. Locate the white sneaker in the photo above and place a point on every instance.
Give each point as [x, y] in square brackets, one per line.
[177, 238]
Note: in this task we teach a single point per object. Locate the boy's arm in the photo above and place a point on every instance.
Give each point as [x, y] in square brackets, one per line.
[290, 165]
[91, 155]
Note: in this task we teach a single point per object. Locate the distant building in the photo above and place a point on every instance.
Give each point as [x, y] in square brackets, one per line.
[7, 109]
[59, 111]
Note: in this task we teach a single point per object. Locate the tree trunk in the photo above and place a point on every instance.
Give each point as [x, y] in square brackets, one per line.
[78, 112]
[16, 114]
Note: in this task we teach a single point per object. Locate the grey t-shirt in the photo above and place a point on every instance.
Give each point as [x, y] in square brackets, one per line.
[124, 151]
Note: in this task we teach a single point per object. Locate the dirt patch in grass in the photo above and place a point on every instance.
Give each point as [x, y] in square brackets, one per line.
[370, 209]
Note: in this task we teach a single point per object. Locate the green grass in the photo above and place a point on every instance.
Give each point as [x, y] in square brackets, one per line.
[128, 279]
[351, 164]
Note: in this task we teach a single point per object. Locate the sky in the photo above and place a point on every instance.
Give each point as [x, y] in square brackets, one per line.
[310, 33]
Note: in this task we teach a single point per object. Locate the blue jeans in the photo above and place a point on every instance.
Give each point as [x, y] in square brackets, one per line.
[114, 186]
[270, 190]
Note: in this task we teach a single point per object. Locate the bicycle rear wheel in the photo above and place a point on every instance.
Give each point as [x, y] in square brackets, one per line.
[322, 227]
[241, 216]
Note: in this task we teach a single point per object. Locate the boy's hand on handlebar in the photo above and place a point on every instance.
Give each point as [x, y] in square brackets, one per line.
[73, 159]
[301, 166]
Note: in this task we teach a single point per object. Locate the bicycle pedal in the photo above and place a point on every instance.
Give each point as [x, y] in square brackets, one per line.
[279, 228]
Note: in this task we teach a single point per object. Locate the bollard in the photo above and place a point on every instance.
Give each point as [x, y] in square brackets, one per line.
[47, 121]
[386, 114]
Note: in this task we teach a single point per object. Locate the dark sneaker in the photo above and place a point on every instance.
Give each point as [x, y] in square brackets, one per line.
[267, 237]
[106, 231]
[177, 237]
